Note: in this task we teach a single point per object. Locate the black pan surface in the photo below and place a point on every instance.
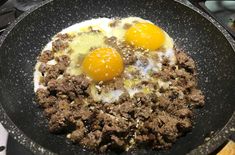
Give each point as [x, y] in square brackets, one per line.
[201, 38]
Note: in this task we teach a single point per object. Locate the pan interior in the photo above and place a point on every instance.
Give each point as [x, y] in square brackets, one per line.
[196, 35]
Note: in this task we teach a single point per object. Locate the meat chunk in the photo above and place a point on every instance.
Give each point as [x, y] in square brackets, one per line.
[78, 134]
[42, 94]
[52, 73]
[43, 68]
[62, 36]
[185, 61]
[117, 140]
[59, 44]
[125, 50]
[196, 97]
[46, 55]
[92, 139]
[63, 60]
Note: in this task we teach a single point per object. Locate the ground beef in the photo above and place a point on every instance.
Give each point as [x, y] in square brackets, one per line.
[78, 134]
[64, 36]
[43, 68]
[153, 120]
[114, 23]
[196, 97]
[63, 60]
[45, 56]
[115, 84]
[68, 85]
[52, 72]
[59, 44]
[124, 49]
[185, 61]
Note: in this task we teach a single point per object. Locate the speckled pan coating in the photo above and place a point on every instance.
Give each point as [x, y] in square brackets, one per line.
[203, 38]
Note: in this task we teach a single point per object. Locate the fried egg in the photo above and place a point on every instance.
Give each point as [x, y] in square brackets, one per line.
[100, 62]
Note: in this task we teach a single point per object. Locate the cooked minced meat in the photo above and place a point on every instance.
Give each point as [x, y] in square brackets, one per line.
[46, 56]
[127, 51]
[144, 119]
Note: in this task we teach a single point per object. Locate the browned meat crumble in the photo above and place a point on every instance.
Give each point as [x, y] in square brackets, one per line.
[150, 120]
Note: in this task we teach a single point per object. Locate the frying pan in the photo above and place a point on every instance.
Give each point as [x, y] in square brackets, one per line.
[193, 31]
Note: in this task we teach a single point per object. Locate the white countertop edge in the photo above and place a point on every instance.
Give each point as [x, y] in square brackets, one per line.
[3, 139]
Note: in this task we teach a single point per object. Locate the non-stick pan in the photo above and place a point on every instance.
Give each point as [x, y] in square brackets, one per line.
[200, 36]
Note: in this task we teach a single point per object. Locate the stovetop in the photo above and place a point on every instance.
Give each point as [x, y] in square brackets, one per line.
[222, 11]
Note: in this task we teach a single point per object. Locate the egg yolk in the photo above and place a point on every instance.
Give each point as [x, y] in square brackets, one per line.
[145, 35]
[103, 64]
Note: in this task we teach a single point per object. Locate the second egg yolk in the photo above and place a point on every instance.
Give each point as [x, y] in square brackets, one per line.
[103, 64]
[145, 35]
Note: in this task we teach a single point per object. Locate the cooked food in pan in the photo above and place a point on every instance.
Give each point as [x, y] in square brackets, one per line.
[117, 84]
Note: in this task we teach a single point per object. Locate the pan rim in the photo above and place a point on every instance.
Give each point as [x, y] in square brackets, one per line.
[27, 142]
